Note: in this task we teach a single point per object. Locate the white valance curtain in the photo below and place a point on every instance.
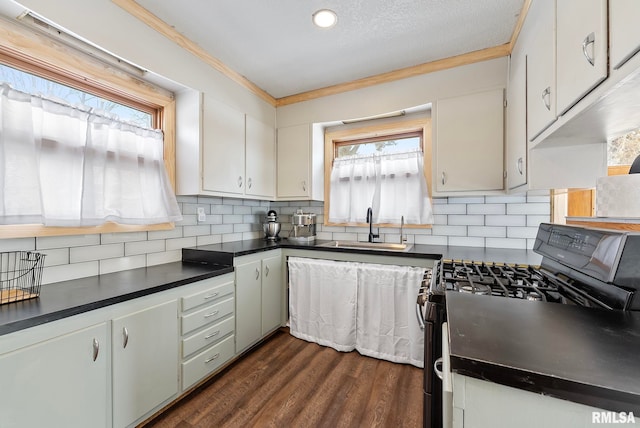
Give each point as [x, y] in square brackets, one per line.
[393, 185]
[63, 165]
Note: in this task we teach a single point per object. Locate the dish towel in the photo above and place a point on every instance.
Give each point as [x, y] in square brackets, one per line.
[322, 302]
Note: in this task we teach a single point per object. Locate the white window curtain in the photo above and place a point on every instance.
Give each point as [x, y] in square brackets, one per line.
[64, 165]
[393, 185]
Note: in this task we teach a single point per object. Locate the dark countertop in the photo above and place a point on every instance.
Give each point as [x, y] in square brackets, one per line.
[585, 355]
[225, 252]
[64, 299]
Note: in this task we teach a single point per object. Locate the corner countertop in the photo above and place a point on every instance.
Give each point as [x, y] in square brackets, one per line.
[67, 298]
[585, 355]
[225, 252]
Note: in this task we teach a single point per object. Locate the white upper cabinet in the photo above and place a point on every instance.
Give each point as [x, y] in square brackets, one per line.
[581, 43]
[516, 145]
[222, 151]
[260, 164]
[223, 148]
[541, 68]
[470, 142]
[624, 16]
[300, 158]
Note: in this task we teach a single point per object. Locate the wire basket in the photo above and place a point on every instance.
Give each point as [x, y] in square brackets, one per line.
[20, 275]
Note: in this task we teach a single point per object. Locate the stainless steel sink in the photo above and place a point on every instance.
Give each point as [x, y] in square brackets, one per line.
[384, 246]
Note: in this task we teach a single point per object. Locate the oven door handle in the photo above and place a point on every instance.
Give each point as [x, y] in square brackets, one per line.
[437, 367]
[420, 315]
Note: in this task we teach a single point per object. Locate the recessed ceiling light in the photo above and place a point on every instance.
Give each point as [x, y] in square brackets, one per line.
[325, 18]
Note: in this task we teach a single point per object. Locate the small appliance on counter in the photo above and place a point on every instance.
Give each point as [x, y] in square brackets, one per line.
[272, 226]
[304, 227]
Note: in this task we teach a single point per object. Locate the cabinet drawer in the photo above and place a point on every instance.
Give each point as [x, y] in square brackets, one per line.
[209, 295]
[207, 315]
[206, 362]
[207, 336]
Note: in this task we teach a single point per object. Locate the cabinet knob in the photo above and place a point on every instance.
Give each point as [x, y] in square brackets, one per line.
[589, 40]
[211, 314]
[546, 97]
[215, 357]
[210, 296]
[96, 349]
[240, 181]
[125, 337]
[266, 270]
[214, 334]
[520, 164]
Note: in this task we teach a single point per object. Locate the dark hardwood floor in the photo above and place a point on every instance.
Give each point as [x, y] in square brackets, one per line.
[288, 382]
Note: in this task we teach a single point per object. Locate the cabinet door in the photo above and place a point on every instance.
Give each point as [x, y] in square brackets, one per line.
[222, 147]
[624, 16]
[581, 43]
[541, 69]
[271, 293]
[145, 361]
[261, 159]
[294, 161]
[61, 382]
[470, 142]
[248, 304]
[516, 147]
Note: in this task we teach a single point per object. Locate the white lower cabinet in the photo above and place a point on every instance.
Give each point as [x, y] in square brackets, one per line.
[207, 328]
[145, 361]
[60, 382]
[258, 296]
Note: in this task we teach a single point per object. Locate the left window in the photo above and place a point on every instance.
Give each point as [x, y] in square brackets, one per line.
[34, 64]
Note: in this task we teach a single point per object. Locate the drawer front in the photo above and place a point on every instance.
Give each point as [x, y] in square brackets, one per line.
[207, 315]
[206, 296]
[207, 336]
[206, 362]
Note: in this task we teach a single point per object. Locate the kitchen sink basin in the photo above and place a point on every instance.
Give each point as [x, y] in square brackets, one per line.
[385, 246]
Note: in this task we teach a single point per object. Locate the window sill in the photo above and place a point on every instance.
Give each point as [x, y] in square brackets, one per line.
[37, 230]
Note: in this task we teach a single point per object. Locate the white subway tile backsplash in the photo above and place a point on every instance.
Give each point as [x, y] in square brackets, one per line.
[122, 263]
[450, 230]
[450, 209]
[144, 247]
[230, 237]
[57, 256]
[495, 209]
[467, 200]
[221, 209]
[174, 244]
[466, 220]
[164, 257]
[533, 208]
[95, 252]
[431, 240]
[221, 228]
[231, 219]
[488, 231]
[188, 220]
[70, 271]
[203, 229]
[505, 220]
[45, 242]
[506, 199]
[535, 220]
[250, 202]
[242, 227]
[347, 236]
[522, 232]
[212, 200]
[243, 209]
[465, 241]
[17, 244]
[112, 238]
[209, 239]
[187, 199]
[176, 232]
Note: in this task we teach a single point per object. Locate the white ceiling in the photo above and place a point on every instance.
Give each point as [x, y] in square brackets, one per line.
[275, 45]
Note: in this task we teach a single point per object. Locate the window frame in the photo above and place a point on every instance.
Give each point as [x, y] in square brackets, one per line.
[37, 53]
[380, 130]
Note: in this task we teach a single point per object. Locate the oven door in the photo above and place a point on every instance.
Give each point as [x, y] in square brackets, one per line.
[442, 368]
[431, 316]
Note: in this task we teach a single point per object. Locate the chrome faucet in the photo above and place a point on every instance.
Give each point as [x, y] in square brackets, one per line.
[372, 236]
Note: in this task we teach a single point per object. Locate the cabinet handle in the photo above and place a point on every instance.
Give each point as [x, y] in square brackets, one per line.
[215, 357]
[210, 296]
[211, 314]
[240, 181]
[257, 273]
[520, 164]
[546, 97]
[125, 337]
[209, 336]
[249, 182]
[436, 364]
[444, 178]
[304, 186]
[589, 40]
[96, 349]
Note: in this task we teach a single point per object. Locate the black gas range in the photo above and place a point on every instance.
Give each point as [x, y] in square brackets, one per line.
[591, 268]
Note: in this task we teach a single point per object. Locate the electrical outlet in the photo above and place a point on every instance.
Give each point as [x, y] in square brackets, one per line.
[201, 215]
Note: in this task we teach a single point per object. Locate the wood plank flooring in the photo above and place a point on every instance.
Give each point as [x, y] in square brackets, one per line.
[288, 382]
